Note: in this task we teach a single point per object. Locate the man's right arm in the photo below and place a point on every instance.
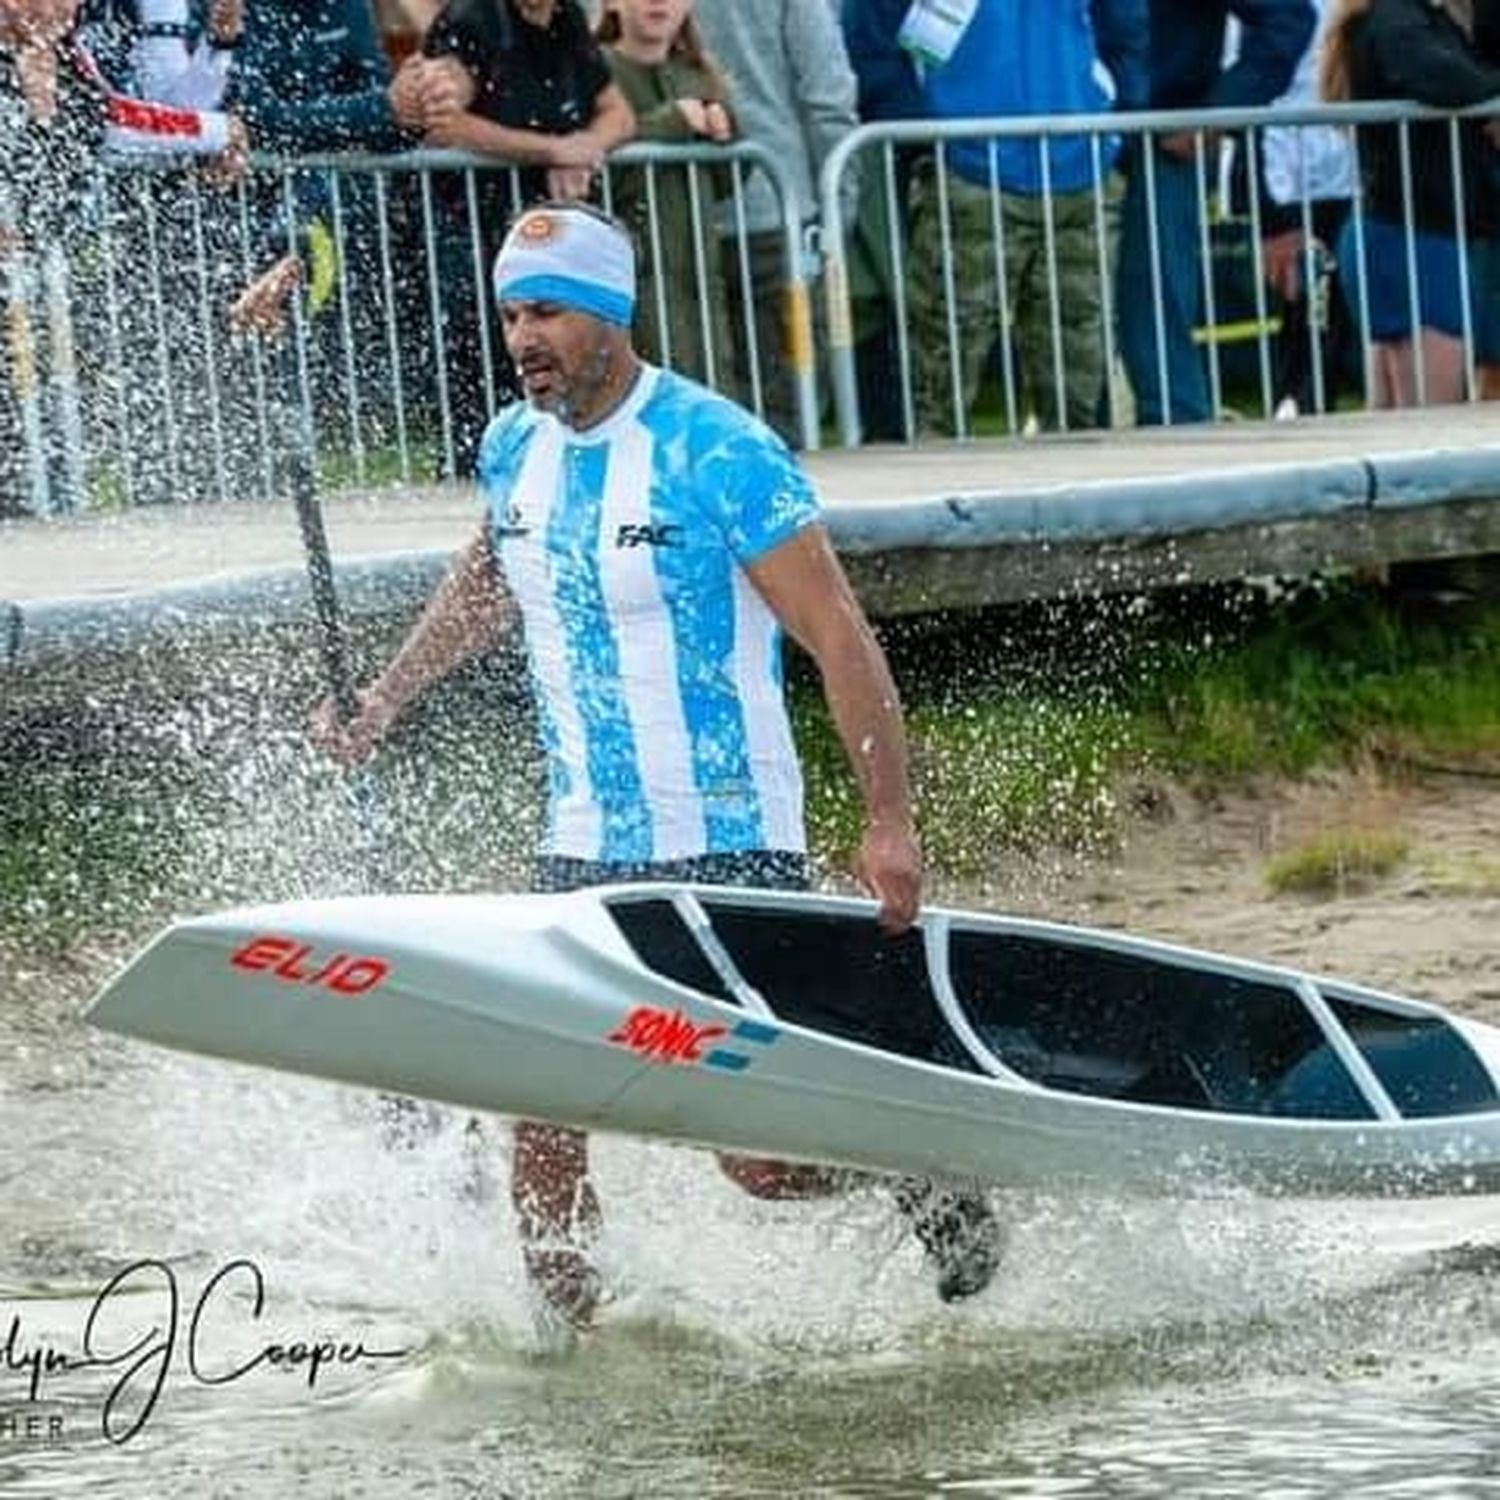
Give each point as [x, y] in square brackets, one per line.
[1273, 36]
[468, 614]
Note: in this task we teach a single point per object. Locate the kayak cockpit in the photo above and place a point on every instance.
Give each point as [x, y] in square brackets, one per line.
[1064, 1009]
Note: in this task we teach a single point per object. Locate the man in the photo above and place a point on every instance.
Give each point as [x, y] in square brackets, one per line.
[1167, 373]
[173, 52]
[1023, 233]
[652, 539]
[793, 92]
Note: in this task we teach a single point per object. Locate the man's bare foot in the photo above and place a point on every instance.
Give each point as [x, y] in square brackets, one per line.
[566, 1282]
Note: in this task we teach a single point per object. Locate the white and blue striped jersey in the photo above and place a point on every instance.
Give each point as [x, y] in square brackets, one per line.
[656, 663]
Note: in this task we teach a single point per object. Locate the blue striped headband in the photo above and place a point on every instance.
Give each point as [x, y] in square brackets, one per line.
[570, 256]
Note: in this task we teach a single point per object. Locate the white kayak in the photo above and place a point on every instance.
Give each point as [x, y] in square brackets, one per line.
[1018, 1052]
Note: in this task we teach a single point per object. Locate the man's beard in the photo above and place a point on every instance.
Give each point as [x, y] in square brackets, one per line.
[580, 392]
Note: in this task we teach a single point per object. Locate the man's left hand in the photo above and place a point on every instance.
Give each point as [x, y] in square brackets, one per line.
[890, 868]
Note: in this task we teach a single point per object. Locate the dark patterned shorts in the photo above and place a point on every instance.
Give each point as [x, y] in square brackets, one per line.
[767, 869]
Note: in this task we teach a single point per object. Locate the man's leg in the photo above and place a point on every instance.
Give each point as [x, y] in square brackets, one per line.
[557, 1212]
[764, 1177]
[956, 1228]
[950, 337]
[1070, 380]
[1168, 287]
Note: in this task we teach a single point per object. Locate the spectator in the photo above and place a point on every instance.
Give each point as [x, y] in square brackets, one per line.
[1004, 60]
[794, 93]
[60, 112]
[1310, 165]
[538, 94]
[171, 51]
[311, 75]
[542, 96]
[57, 113]
[1417, 49]
[657, 58]
[1168, 374]
[1487, 251]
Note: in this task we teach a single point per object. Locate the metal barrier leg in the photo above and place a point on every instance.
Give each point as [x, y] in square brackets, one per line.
[22, 359]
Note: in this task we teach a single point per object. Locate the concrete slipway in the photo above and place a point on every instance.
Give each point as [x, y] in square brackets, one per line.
[925, 527]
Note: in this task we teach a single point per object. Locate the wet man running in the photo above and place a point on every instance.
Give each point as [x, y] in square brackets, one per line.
[652, 540]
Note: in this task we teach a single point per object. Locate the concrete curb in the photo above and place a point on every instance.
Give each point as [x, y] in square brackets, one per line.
[1101, 514]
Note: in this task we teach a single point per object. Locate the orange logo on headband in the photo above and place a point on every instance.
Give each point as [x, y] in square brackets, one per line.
[537, 228]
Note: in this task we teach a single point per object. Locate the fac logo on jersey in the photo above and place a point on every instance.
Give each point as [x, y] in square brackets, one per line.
[646, 535]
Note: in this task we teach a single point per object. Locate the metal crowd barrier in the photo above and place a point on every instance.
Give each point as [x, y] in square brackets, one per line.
[125, 385]
[1240, 318]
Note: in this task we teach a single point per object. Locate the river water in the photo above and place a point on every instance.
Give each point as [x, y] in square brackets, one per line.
[1216, 1346]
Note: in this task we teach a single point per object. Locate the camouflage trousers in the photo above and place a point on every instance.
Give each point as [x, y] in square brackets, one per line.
[995, 274]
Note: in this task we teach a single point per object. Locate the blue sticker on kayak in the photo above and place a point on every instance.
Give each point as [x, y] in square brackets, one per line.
[756, 1032]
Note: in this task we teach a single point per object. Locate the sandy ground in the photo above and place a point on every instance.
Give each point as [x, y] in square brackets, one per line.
[1195, 873]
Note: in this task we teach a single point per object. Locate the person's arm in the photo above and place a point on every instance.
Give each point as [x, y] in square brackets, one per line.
[803, 582]
[360, 114]
[1122, 29]
[467, 615]
[613, 121]
[1424, 57]
[889, 88]
[612, 125]
[1273, 36]
[822, 79]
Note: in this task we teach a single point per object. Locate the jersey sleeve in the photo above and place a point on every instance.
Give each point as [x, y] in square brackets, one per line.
[755, 491]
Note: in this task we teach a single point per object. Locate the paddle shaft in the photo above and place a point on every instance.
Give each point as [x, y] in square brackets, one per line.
[302, 458]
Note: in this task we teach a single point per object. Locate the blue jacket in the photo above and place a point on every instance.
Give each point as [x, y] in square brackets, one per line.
[311, 75]
[1018, 57]
[1187, 51]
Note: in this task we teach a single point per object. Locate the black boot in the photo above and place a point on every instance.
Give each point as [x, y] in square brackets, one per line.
[957, 1230]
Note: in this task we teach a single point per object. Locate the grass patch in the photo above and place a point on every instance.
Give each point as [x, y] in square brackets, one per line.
[1027, 729]
[1463, 875]
[1337, 862]
[338, 469]
[1025, 724]
[1333, 675]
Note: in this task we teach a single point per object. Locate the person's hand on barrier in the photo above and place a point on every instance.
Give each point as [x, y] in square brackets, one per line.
[261, 307]
[226, 22]
[427, 90]
[353, 740]
[407, 95]
[1281, 255]
[719, 121]
[890, 869]
[1182, 145]
[706, 117]
[231, 164]
[448, 87]
[577, 149]
[569, 184]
